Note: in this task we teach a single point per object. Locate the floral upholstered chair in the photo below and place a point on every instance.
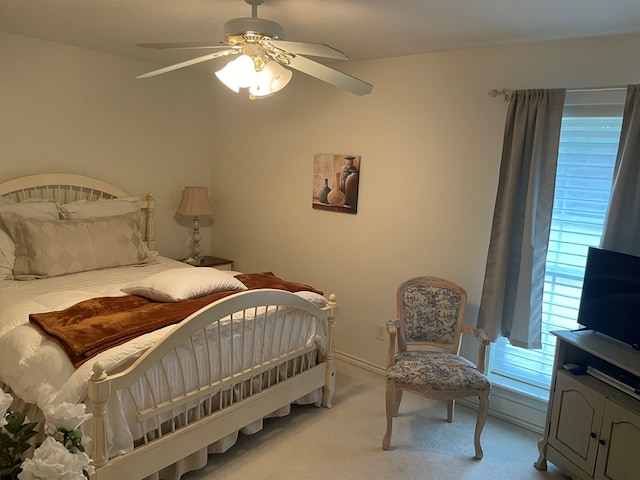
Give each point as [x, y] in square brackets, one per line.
[427, 334]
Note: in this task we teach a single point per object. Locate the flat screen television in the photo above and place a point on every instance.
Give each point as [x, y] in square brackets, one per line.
[610, 302]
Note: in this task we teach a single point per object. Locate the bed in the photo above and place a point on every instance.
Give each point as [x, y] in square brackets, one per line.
[166, 395]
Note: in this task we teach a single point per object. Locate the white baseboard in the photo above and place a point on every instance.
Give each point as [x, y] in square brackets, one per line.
[514, 407]
[506, 403]
[360, 363]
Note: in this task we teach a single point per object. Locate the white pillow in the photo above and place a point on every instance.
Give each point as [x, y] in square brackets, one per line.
[42, 210]
[100, 208]
[183, 283]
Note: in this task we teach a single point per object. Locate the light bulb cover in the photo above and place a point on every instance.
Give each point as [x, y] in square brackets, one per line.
[241, 73]
[238, 73]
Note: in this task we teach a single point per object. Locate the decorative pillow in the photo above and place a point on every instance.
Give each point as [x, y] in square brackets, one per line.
[47, 248]
[183, 283]
[43, 210]
[100, 208]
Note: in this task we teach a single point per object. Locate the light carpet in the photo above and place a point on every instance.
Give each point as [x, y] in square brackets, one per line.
[345, 442]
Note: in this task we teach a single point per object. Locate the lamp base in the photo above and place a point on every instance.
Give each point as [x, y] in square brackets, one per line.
[193, 261]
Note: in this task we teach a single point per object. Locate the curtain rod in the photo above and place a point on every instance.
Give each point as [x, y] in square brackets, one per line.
[503, 92]
[506, 93]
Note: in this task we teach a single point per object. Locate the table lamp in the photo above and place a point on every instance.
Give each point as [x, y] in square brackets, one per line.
[195, 203]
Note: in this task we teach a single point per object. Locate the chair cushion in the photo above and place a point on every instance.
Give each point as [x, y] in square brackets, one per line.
[437, 371]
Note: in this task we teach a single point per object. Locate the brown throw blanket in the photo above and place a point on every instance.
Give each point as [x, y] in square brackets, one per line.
[92, 326]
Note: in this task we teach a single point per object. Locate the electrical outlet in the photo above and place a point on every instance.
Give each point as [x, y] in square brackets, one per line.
[381, 332]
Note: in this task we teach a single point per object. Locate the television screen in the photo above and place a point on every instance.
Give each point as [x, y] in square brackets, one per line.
[610, 302]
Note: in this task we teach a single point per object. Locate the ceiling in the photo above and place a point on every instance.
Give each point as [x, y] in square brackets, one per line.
[363, 29]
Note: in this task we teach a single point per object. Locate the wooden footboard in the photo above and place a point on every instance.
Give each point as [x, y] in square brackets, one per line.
[226, 366]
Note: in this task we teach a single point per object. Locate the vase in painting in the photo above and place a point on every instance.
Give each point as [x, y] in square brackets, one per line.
[336, 197]
[347, 169]
[324, 191]
[351, 190]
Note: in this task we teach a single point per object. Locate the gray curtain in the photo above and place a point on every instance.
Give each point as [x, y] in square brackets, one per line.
[622, 224]
[511, 302]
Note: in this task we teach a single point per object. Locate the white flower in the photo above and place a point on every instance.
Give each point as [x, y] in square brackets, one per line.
[52, 460]
[65, 416]
[5, 403]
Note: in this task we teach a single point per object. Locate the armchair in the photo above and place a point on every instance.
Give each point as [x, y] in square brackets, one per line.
[423, 356]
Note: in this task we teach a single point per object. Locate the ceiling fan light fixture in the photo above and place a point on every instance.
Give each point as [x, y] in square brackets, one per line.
[245, 72]
[262, 42]
[273, 78]
[238, 73]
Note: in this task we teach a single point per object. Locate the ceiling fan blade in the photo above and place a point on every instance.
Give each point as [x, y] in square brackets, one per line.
[329, 75]
[188, 63]
[181, 45]
[313, 49]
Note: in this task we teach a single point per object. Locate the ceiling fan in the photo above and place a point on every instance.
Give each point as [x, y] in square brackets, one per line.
[262, 55]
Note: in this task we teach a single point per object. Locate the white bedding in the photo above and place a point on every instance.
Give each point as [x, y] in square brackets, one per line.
[52, 378]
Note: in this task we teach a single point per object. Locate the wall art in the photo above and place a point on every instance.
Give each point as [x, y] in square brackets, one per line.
[336, 180]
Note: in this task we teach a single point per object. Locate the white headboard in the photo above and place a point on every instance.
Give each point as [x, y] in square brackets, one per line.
[67, 188]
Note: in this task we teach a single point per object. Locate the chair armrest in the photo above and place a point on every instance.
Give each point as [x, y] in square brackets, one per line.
[483, 339]
[392, 330]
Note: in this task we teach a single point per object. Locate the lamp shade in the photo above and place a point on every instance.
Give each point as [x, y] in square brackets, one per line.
[195, 202]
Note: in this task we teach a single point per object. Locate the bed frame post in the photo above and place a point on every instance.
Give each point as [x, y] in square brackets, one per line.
[150, 233]
[98, 397]
[330, 375]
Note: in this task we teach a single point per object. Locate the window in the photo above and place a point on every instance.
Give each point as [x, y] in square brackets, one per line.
[589, 139]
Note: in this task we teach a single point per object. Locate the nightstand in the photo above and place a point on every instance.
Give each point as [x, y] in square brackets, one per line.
[215, 262]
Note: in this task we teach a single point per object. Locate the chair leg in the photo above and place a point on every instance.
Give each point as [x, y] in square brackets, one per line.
[396, 407]
[391, 395]
[483, 411]
[451, 406]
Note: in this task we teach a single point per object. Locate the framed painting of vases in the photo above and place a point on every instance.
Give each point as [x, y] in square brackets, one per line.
[336, 180]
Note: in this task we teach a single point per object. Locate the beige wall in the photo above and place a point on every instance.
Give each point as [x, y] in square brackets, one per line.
[430, 139]
[429, 135]
[73, 110]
